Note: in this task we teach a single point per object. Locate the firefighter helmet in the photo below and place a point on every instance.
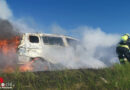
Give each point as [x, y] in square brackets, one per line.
[125, 37]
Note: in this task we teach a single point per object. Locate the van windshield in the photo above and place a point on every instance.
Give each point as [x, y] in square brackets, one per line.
[53, 40]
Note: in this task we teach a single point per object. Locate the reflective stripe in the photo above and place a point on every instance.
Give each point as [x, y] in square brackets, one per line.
[121, 60]
[125, 46]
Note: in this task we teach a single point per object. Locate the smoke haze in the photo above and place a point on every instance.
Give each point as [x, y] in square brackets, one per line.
[5, 12]
[97, 49]
[7, 30]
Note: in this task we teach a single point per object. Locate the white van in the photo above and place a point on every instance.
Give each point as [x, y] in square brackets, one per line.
[34, 46]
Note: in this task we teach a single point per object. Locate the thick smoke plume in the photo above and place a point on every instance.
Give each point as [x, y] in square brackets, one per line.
[7, 30]
[96, 49]
[101, 47]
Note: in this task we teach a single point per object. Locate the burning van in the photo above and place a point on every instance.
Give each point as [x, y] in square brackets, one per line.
[33, 49]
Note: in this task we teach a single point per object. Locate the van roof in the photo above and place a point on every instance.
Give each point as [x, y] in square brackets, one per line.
[54, 35]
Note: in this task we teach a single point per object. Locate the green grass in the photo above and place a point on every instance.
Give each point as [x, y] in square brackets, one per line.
[114, 78]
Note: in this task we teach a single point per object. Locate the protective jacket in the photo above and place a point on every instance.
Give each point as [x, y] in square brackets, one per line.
[123, 49]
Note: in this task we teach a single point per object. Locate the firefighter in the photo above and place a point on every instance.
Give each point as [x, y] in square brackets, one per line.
[123, 49]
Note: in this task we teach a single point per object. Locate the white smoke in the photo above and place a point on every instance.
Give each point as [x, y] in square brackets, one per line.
[101, 47]
[5, 12]
[97, 50]
[56, 29]
[22, 26]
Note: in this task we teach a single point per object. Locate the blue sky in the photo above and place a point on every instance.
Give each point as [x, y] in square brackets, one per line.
[112, 16]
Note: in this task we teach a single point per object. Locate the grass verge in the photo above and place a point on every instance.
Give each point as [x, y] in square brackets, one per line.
[113, 78]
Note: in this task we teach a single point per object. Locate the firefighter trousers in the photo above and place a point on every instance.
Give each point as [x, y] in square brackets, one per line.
[123, 53]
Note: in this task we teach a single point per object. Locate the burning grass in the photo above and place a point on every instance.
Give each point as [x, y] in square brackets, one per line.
[115, 78]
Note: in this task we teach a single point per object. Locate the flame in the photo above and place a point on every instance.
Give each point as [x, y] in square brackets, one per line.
[8, 47]
[29, 67]
[26, 67]
[8, 69]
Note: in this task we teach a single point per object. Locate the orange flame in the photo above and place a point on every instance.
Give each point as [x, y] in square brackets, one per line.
[7, 47]
[10, 45]
[8, 69]
[26, 67]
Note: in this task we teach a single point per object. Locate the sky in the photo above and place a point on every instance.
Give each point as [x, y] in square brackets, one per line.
[112, 16]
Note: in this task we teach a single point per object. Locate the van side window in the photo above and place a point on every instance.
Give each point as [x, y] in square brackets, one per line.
[33, 39]
[72, 42]
[53, 40]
